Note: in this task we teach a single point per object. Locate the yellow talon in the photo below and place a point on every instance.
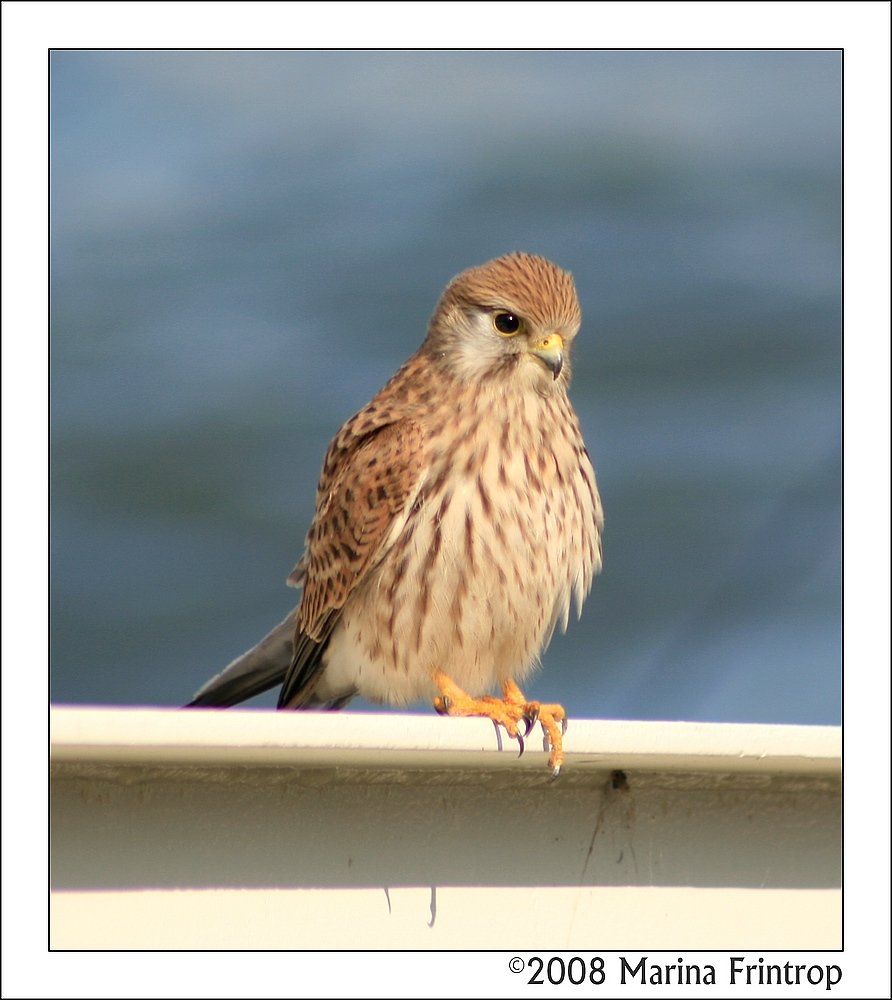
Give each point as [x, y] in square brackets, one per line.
[507, 712]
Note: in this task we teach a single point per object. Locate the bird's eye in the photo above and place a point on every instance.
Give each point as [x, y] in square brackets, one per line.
[506, 322]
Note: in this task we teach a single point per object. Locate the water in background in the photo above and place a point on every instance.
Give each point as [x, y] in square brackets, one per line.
[245, 245]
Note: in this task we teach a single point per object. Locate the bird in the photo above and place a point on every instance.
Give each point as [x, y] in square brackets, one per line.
[457, 517]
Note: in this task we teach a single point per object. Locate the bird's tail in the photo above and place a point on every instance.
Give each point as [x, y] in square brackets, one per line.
[261, 668]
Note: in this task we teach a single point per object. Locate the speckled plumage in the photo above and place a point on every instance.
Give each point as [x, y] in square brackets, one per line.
[457, 515]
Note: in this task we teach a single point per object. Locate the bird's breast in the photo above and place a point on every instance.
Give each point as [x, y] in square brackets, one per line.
[500, 536]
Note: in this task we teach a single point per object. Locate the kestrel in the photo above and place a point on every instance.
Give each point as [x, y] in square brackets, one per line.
[457, 517]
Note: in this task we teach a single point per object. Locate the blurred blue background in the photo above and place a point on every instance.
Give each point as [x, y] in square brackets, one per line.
[245, 245]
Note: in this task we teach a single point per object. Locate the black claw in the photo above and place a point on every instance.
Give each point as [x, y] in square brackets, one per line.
[532, 716]
[520, 741]
[528, 725]
[498, 730]
[563, 725]
[441, 705]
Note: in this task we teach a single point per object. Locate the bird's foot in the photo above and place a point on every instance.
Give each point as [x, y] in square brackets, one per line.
[511, 711]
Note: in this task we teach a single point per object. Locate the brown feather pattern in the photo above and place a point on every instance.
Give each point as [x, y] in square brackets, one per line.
[457, 515]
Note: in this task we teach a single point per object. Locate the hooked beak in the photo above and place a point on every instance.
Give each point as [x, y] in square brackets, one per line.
[550, 351]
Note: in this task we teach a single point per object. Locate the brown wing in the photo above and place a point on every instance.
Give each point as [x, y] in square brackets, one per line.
[369, 483]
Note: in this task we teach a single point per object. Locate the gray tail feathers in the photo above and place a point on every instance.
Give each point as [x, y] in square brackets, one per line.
[258, 670]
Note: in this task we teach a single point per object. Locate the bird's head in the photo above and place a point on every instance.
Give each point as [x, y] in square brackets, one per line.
[514, 317]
